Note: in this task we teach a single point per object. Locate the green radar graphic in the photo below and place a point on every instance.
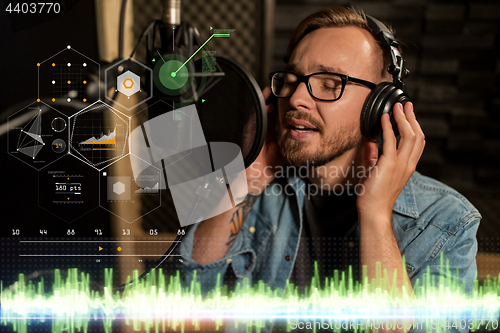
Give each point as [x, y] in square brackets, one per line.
[169, 78]
[174, 76]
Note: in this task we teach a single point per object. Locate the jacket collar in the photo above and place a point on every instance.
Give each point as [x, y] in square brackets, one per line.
[405, 204]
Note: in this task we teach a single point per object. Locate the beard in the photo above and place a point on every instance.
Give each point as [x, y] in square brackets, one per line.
[331, 147]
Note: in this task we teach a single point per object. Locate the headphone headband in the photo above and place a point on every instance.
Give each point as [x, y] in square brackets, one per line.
[398, 67]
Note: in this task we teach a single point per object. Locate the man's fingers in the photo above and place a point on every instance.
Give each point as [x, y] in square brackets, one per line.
[408, 137]
[419, 134]
[389, 145]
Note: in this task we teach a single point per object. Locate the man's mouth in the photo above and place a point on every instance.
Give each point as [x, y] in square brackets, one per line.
[303, 129]
[301, 126]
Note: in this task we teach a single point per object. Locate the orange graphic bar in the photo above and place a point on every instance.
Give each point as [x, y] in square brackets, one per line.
[105, 142]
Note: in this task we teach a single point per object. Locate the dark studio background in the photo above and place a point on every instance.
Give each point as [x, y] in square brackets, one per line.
[452, 49]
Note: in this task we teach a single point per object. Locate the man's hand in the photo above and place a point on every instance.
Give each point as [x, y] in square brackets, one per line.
[262, 171]
[382, 185]
[390, 173]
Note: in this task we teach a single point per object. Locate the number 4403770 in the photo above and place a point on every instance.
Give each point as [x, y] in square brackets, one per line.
[472, 323]
[34, 7]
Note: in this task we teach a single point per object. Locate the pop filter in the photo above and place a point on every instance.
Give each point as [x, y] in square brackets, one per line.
[233, 110]
[230, 110]
[222, 132]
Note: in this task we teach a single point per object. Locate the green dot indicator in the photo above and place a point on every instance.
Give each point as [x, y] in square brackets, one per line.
[168, 76]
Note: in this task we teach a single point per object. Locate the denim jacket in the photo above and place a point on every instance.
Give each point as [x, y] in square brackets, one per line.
[429, 219]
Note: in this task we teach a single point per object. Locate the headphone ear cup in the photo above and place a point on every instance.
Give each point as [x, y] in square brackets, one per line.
[381, 100]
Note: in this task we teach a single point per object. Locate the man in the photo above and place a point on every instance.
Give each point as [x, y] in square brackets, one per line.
[389, 210]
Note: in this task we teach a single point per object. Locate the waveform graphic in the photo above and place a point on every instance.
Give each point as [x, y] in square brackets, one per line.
[158, 302]
[109, 139]
[146, 189]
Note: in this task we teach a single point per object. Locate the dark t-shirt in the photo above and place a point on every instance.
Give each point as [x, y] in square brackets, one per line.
[328, 237]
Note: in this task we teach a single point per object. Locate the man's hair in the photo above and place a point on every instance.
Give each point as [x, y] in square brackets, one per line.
[338, 16]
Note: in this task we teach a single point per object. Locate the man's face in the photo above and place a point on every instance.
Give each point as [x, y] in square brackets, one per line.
[333, 128]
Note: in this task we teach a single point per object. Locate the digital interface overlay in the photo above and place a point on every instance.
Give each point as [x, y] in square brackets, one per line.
[91, 167]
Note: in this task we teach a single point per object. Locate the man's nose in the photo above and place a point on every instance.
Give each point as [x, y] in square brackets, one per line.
[301, 97]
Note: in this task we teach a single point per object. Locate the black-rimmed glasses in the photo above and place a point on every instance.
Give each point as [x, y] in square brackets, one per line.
[323, 86]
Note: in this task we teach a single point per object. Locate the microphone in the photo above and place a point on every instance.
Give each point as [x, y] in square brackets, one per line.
[171, 12]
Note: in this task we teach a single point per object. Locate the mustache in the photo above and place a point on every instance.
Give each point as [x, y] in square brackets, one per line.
[298, 115]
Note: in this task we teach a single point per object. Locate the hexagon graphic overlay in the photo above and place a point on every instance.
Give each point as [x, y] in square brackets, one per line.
[99, 135]
[30, 135]
[120, 189]
[66, 76]
[68, 192]
[128, 83]
[130, 77]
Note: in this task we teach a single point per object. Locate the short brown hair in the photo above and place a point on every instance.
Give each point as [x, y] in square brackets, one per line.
[337, 16]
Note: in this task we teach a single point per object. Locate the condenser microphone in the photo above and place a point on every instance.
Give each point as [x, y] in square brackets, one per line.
[171, 12]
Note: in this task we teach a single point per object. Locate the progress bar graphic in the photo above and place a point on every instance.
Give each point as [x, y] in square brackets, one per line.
[126, 247]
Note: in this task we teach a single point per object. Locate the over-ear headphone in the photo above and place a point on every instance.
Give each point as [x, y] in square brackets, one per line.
[386, 94]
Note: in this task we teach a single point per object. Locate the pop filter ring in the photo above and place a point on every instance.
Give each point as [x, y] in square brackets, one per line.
[261, 115]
